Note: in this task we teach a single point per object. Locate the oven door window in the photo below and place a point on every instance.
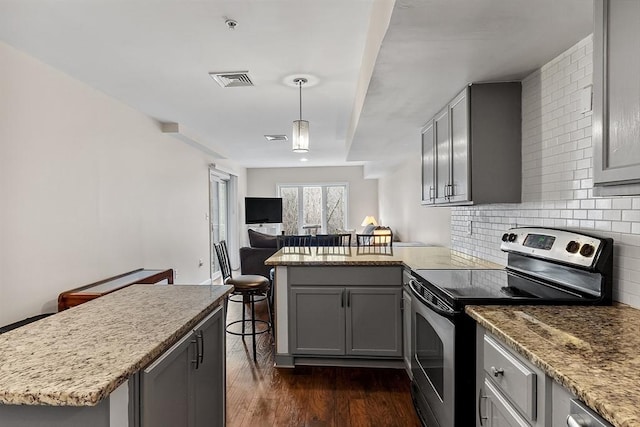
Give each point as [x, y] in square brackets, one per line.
[430, 354]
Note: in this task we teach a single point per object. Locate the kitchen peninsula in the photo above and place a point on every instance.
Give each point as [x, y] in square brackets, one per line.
[99, 363]
[344, 306]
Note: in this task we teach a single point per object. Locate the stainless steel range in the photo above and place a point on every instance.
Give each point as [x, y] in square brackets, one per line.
[545, 266]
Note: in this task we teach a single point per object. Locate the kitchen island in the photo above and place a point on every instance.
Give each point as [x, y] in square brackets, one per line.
[590, 351]
[344, 306]
[95, 364]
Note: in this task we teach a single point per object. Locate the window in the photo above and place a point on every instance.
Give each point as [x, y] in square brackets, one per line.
[320, 208]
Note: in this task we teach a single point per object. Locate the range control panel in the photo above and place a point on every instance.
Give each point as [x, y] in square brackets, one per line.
[558, 245]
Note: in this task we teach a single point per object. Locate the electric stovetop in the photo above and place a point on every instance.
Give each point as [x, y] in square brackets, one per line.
[460, 287]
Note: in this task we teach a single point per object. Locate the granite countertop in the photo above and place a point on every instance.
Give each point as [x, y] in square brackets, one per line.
[592, 351]
[79, 356]
[429, 257]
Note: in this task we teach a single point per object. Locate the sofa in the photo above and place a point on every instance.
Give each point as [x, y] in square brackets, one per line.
[252, 258]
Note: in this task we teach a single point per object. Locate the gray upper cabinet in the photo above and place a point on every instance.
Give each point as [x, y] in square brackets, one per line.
[475, 152]
[616, 100]
[459, 164]
[428, 160]
[443, 154]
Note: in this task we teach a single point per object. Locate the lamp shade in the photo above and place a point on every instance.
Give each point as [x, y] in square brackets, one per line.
[369, 219]
[300, 138]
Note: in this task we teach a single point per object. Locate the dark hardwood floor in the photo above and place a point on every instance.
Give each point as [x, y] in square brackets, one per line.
[261, 395]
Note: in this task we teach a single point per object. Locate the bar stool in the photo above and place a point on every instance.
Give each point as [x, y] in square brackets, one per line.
[248, 286]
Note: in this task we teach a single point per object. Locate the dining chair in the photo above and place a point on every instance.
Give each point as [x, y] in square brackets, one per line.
[333, 240]
[381, 239]
[295, 244]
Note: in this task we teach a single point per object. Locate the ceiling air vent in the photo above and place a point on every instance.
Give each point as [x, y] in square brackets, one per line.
[232, 78]
[276, 138]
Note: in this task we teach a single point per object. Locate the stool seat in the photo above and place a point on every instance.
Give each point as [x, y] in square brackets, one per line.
[248, 283]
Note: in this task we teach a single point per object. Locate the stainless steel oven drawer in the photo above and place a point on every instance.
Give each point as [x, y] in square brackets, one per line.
[513, 378]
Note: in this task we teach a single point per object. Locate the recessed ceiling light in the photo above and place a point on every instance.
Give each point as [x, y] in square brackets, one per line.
[304, 159]
[276, 137]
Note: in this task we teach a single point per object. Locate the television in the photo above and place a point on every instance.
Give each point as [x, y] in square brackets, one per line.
[263, 210]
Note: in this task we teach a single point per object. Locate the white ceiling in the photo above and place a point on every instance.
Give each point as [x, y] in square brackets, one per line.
[155, 56]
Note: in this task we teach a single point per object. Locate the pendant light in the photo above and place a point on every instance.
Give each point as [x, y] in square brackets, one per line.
[300, 127]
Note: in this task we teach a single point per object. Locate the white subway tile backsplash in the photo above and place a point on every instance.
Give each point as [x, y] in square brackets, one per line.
[603, 203]
[557, 178]
[612, 215]
[621, 203]
[621, 227]
[631, 215]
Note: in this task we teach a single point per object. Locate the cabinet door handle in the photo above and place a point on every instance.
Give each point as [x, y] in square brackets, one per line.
[196, 361]
[431, 193]
[200, 336]
[342, 298]
[480, 417]
[576, 422]
[448, 190]
[497, 371]
[348, 298]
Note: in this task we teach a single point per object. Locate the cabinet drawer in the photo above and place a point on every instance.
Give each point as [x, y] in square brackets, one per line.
[499, 410]
[511, 376]
[346, 275]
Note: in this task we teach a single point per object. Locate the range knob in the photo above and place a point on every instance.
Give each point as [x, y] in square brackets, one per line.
[587, 250]
[512, 237]
[505, 237]
[573, 246]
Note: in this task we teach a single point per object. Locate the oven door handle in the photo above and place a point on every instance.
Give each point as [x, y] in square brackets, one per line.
[429, 304]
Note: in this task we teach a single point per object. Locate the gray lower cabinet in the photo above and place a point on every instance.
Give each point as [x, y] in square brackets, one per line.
[499, 411]
[616, 91]
[318, 320]
[346, 321]
[185, 386]
[407, 327]
[407, 336]
[511, 391]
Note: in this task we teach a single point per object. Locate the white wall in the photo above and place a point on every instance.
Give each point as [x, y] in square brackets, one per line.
[557, 176]
[89, 188]
[400, 208]
[363, 193]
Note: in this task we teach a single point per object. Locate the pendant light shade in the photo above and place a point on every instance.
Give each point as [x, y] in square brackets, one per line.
[300, 137]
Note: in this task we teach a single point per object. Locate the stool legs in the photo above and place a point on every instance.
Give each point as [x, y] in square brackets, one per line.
[253, 325]
[250, 298]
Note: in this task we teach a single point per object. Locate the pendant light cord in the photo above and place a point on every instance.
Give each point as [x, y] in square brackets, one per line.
[300, 86]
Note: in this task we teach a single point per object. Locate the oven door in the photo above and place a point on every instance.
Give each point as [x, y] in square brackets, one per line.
[433, 361]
